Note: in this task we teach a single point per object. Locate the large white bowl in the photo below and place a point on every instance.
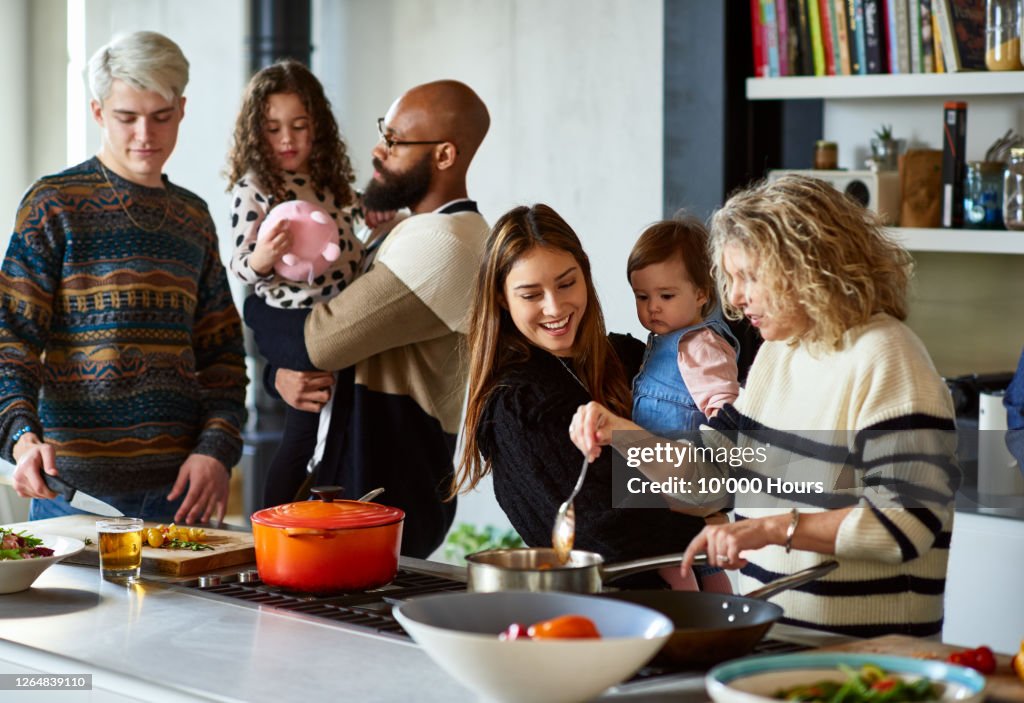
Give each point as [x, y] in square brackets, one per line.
[460, 633]
[19, 574]
[756, 679]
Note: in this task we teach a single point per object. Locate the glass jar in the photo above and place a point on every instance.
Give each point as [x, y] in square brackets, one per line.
[1002, 35]
[826, 155]
[983, 195]
[1013, 191]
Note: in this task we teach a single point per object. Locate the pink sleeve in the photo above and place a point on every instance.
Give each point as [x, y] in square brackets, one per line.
[707, 363]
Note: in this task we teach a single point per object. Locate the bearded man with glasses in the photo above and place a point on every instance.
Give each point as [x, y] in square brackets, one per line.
[395, 332]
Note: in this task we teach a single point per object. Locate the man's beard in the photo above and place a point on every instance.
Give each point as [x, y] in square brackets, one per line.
[398, 190]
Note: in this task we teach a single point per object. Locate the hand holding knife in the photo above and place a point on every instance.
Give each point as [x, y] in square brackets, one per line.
[80, 499]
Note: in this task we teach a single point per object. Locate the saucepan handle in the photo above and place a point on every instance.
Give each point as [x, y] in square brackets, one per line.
[798, 579]
[621, 569]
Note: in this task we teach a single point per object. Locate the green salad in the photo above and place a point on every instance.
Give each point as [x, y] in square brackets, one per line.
[18, 545]
[868, 685]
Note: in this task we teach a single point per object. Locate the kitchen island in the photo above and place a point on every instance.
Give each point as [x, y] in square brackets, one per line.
[154, 642]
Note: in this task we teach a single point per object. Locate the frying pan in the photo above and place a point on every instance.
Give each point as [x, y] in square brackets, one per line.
[713, 627]
[538, 569]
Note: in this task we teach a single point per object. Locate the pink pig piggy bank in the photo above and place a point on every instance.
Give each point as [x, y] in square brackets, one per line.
[314, 240]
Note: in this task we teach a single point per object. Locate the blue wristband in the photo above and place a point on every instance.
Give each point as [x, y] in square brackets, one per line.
[20, 433]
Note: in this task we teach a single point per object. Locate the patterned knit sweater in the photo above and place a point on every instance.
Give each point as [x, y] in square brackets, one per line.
[874, 422]
[120, 346]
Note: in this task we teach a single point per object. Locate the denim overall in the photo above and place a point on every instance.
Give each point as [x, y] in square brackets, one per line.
[662, 403]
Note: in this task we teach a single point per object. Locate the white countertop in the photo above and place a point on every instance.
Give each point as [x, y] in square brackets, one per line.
[149, 642]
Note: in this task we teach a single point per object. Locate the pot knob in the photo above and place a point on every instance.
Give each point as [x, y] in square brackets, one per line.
[327, 493]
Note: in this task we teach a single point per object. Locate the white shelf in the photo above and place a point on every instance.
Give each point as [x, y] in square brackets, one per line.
[945, 85]
[970, 241]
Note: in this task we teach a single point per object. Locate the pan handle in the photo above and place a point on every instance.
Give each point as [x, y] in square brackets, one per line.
[610, 572]
[798, 579]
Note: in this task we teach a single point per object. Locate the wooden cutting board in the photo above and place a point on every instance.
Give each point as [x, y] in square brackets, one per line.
[1002, 685]
[229, 548]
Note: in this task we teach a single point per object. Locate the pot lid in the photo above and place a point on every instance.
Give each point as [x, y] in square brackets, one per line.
[334, 515]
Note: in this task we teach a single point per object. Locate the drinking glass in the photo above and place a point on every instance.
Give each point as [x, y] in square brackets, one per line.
[120, 541]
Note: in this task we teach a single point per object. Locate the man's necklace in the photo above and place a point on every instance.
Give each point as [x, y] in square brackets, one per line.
[120, 201]
[571, 373]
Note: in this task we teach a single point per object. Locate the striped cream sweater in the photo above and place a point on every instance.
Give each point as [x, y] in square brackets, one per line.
[874, 422]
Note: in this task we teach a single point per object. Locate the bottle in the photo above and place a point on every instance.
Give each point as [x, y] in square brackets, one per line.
[1002, 35]
[826, 155]
[982, 195]
[1013, 191]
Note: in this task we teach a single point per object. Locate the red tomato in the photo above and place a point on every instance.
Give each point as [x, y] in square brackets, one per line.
[958, 658]
[983, 660]
[564, 626]
[883, 684]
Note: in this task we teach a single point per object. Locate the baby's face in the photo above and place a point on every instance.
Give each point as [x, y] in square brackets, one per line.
[666, 299]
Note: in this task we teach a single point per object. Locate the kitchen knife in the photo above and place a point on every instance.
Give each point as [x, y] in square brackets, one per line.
[79, 499]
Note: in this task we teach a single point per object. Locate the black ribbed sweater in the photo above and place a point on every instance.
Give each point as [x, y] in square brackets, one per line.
[524, 433]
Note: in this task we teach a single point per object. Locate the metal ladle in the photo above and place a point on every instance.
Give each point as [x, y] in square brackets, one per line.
[563, 534]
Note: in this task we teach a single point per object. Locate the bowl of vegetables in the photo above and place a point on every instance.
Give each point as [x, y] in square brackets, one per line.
[839, 676]
[545, 647]
[24, 556]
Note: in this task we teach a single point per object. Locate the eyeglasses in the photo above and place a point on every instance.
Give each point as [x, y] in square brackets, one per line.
[392, 143]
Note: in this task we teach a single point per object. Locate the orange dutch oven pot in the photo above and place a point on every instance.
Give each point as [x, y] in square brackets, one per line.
[327, 545]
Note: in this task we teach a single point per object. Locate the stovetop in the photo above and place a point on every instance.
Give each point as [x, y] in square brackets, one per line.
[370, 611]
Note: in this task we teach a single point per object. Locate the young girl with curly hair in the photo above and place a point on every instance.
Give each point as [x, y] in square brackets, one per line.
[287, 147]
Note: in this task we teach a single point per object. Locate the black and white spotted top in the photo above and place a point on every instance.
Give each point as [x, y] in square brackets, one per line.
[250, 203]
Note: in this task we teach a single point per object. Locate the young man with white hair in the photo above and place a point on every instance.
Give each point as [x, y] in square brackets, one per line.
[121, 359]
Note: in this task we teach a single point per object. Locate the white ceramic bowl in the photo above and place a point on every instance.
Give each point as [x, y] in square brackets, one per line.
[19, 574]
[459, 631]
[756, 679]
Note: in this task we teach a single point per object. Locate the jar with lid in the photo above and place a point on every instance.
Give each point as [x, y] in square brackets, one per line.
[1002, 35]
[826, 155]
[1013, 191]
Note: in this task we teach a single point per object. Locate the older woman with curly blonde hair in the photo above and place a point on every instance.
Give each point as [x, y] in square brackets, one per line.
[846, 393]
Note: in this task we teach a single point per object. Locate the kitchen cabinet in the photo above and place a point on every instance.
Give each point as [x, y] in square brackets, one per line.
[967, 302]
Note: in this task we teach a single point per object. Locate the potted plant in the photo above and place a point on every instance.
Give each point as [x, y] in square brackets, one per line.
[885, 151]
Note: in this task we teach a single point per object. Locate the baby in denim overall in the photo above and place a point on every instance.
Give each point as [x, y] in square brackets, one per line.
[689, 370]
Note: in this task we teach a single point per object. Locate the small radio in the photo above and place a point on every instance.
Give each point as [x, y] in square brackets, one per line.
[876, 190]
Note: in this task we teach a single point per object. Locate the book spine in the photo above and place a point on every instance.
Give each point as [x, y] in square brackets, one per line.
[902, 35]
[806, 48]
[757, 39]
[842, 37]
[927, 45]
[891, 44]
[940, 65]
[782, 20]
[771, 36]
[914, 30]
[944, 20]
[828, 35]
[859, 37]
[954, 137]
[817, 46]
[874, 49]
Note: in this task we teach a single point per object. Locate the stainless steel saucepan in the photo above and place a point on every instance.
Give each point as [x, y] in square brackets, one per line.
[538, 569]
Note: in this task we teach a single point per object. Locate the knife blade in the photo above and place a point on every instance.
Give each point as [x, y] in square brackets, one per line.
[80, 499]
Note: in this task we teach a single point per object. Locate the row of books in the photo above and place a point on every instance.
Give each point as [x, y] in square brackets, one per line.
[860, 37]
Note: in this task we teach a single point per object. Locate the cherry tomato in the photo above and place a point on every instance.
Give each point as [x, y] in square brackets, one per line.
[515, 631]
[983, 660]
[883, 684]
[564, 626]
[958, 658]
[154, 538]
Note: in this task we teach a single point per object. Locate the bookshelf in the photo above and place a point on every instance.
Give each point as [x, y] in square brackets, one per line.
[855, 105]
[970, 241]
[944, 85]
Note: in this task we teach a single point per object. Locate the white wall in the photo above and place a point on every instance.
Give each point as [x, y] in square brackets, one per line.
[574, 89]
[14, 118]
[575, 93]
